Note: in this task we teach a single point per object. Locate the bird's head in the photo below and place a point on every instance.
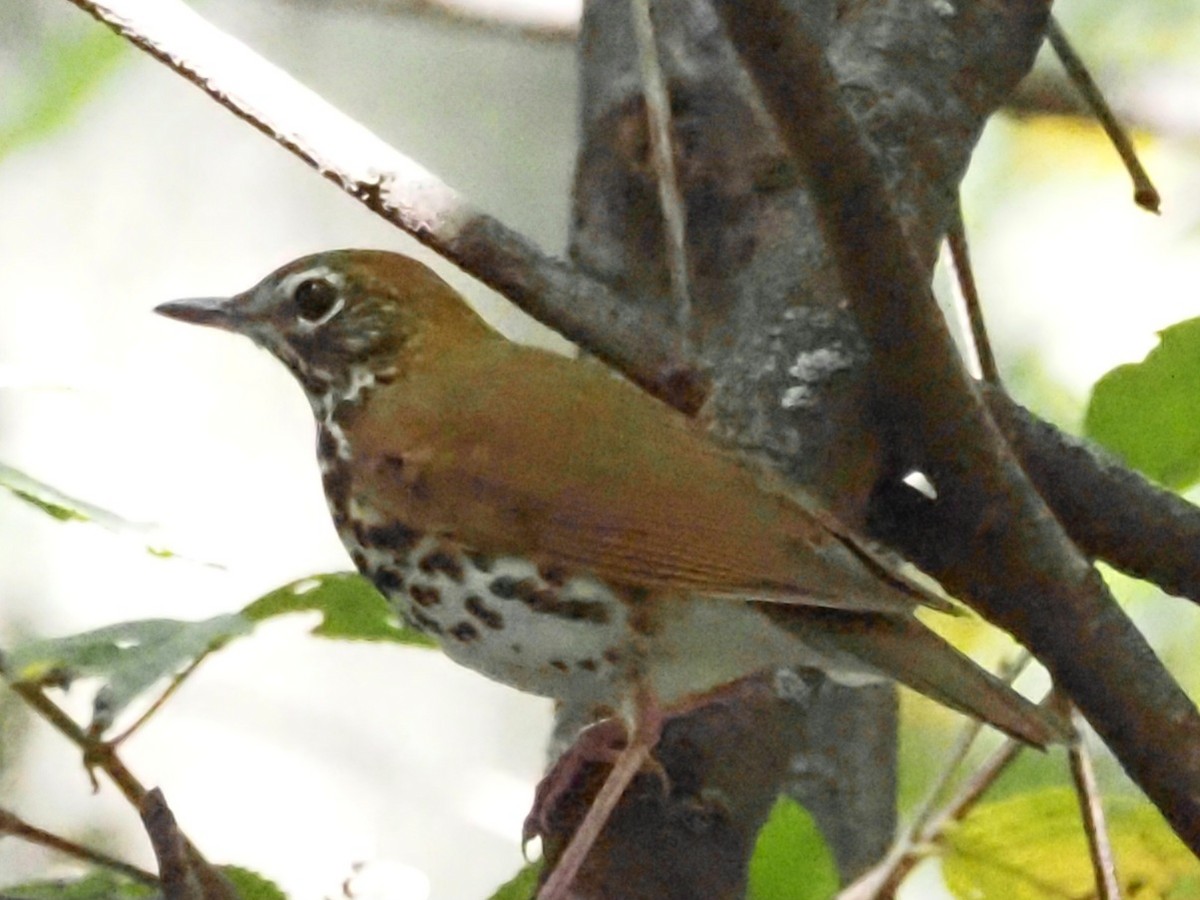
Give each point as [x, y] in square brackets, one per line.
[342, 319]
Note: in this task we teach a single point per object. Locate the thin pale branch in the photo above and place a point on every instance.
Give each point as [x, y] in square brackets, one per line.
[662, 150]
[405, 193]
[960, 255]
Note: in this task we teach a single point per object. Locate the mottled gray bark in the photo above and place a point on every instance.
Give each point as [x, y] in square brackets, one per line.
[786, 366]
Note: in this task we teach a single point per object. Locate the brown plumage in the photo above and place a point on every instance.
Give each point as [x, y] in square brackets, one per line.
[563, 532]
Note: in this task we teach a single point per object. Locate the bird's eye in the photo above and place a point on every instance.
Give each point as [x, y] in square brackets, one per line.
[314, 298]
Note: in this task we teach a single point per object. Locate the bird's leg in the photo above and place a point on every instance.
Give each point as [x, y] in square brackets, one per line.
[601, 742]
[642, 740]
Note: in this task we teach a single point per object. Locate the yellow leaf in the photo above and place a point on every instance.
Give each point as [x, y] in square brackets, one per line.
[1032, 847]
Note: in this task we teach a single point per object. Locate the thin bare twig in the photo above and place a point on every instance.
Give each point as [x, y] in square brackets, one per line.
[960, 255]
[12, 824]
[1100, 849]
[885, 877]
[662, 151]
[95, 754]
[1145, 194]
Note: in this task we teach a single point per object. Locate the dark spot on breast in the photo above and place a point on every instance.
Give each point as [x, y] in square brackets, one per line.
[546, 600]
[540, 600]
[345, 413]
[527, 591]
[640, 622]
[612, 656]
[586, 611]
[559, 665]
[516, 648]
[424, 595]
[485, 614]
[588, 665]
[481, 561]
[336, 482]
[425, 623]
[389, 580]
[397, 536]
[444, 562]
[359, 559]
[553, 575]
[326, 444]
[504, 587]
[465, 632]
[576, 610]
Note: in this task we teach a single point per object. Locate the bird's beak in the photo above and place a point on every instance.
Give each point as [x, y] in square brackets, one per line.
[218, 312]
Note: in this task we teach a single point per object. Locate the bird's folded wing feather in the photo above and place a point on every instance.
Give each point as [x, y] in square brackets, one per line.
[522, 452]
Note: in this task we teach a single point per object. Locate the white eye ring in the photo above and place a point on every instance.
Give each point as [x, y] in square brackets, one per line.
[322, 281]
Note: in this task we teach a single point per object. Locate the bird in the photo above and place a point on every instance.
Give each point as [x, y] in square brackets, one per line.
[558, 530]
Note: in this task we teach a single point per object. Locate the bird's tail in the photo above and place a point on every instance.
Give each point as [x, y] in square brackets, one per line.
[903, 649]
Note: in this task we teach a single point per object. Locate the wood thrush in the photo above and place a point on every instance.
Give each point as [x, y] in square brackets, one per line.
[560, 531]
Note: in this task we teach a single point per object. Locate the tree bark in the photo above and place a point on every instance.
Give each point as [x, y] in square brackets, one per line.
[788, 370]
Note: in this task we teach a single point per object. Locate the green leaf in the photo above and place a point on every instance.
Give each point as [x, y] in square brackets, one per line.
[99, 885]
[521, 886]
[350, 607]
[128, 657]
[1148, 413]
[55, 503]
[791, 860]
[250, 885]
[66, 508]
[1032, 847]
[67, 72]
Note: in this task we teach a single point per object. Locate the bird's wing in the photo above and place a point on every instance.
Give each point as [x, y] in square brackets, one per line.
[516, 451]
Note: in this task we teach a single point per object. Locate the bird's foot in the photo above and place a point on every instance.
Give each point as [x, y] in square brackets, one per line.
[601, 742]
[610, 741]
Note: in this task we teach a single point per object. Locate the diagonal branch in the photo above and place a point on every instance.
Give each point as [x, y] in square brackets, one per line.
[1111, 512]
[402, 191]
